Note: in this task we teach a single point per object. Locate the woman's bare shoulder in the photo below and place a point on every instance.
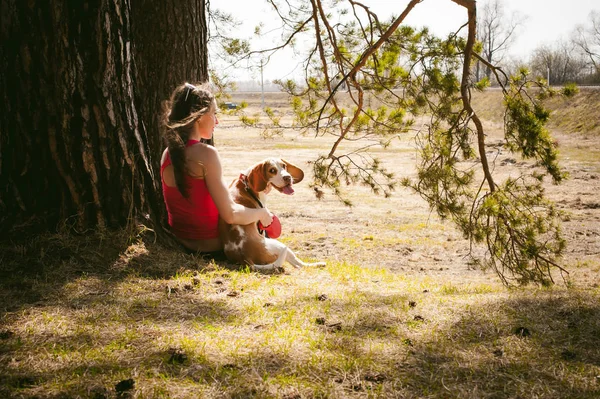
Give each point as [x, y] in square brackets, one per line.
[202, 153]
[202, 158]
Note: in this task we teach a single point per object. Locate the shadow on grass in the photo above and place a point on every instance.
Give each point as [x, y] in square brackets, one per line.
[542, 344]
[33, 270]
[76, 285]
[521, 347]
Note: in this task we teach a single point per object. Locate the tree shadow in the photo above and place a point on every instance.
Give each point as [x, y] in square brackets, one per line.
[508, 347]
[525, 345]
[501, 349]
[77, 279]
[543, 345]
[33, 270]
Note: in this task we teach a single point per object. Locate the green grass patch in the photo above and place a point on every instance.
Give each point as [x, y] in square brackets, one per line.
[586, 156]
[180, 327]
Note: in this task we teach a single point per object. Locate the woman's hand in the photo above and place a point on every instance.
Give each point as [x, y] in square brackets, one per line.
[265, 217]
[230, 212]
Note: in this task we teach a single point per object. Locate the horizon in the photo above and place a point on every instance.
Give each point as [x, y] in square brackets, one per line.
[546, 23]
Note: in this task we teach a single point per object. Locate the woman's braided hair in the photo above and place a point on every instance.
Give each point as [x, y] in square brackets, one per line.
[187, 103]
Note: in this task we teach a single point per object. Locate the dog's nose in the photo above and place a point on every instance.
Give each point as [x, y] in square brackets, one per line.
[287, 179]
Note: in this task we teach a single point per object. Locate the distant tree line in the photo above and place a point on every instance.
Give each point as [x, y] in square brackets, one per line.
[574, 60]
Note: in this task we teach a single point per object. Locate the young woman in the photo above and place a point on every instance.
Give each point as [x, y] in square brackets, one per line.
[192, 181]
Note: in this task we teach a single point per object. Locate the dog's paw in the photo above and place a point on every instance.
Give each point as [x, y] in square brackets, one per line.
[318, 264]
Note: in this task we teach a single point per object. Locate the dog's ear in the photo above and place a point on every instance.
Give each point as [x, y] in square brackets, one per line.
[295, 171]
[257, 178]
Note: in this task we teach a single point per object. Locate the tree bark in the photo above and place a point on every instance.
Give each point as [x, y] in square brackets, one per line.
[82, 85]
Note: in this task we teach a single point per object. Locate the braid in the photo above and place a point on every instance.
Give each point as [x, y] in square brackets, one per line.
[176, 145]
[187, 104]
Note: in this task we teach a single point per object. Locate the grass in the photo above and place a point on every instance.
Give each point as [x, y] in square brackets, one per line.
[181, 327]
[584, 156]
[574, 116]
[397, 313]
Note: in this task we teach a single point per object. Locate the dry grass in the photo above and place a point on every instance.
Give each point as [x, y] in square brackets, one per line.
[577, 115]
[397, 312]
[180, 327]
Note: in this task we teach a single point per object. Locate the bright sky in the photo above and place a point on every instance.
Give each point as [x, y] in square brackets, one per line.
[547, 21]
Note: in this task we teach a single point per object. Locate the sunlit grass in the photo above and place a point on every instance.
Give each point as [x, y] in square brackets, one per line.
[583, 155]
[370, 243]
[79, 315]
[344, 330]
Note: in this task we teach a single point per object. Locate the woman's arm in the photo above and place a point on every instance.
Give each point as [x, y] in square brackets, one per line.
[229, 211]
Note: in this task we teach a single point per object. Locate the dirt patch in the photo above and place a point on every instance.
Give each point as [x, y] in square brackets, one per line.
[401, 233]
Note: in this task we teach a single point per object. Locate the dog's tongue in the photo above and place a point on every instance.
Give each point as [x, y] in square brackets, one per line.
[288, 190]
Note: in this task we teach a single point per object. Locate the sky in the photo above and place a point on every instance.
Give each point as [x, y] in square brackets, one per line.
[546, 22]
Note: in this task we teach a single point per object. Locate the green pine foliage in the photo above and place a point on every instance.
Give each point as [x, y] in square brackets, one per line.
[371, 82]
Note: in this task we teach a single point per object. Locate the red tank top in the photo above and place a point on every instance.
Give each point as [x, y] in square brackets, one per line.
[195, 217]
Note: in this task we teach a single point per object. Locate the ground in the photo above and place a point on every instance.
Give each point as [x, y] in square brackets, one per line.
[400, 233]
[398, 312]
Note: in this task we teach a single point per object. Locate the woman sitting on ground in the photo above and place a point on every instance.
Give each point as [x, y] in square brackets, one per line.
[192, 181]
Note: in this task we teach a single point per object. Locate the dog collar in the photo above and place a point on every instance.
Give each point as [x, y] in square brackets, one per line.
[244, 180]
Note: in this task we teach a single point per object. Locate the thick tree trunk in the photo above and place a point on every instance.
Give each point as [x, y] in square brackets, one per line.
[170, 48]
[82, 85]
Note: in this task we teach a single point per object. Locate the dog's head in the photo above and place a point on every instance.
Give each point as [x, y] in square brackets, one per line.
[274, 172]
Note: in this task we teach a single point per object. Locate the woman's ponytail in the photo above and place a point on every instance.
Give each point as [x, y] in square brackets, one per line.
[187, 104]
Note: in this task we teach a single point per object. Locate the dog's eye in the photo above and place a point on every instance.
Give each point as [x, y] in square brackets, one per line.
[284, 166]
[273, 170]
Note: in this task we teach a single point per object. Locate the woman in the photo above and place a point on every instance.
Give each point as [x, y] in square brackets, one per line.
[191, 174]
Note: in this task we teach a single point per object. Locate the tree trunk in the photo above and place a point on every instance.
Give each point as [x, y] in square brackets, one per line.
[82, 85]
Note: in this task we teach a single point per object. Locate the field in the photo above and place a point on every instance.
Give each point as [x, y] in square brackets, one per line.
[398, 312]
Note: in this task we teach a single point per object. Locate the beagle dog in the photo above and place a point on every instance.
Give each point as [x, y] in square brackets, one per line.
[245, 244]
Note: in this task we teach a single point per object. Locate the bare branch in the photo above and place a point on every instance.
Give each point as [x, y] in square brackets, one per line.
[464, 89]
[370, 51]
